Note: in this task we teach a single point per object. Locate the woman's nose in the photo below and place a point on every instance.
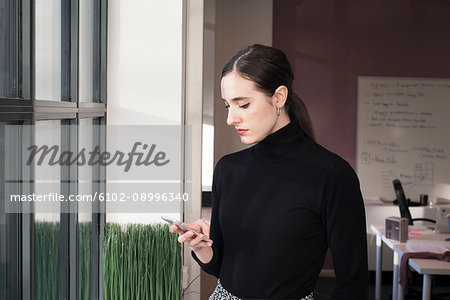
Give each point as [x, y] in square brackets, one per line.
[233, 117]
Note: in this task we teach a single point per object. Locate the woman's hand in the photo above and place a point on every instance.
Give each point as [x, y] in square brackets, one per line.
[189, 238]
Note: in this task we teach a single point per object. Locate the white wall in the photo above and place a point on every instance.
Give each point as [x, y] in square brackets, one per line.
[238, 24]
[145, 62]
[145, 70]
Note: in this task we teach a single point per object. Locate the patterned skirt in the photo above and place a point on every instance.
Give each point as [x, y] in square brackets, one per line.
[220, 293]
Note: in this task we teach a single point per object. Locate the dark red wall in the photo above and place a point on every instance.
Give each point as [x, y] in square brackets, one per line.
[330, 43]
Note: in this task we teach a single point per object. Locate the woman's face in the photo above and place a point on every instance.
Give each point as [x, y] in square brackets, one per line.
[251, 112]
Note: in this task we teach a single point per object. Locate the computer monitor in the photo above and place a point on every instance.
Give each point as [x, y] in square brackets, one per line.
[402, 203]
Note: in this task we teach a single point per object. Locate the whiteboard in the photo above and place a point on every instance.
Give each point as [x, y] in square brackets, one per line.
[403, 132]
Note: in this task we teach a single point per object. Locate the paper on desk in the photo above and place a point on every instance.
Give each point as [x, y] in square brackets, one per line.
[427, 246]
[440, 200]
[376, 201]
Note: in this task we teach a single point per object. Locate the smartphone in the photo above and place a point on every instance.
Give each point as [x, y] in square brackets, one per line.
[184, 227]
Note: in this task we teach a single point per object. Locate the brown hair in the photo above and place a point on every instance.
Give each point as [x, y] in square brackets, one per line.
[269, 69]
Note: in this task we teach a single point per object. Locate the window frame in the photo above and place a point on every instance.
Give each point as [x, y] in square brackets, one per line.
[25, 108]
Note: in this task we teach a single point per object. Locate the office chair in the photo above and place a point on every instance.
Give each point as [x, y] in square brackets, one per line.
[403, 204]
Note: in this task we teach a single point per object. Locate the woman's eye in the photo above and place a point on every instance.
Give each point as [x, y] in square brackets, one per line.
[245, 105]
[227, 106]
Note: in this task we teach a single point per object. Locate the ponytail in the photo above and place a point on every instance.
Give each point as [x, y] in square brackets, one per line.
[297, 112]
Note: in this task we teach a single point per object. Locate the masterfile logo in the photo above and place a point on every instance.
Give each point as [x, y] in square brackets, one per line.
[129, 152]
[68, 168]
[145, 157]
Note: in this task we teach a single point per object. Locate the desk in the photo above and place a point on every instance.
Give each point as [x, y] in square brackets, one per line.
[377, 214]
[427, 267]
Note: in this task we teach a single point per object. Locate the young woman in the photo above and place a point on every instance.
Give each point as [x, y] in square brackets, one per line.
[280, 204]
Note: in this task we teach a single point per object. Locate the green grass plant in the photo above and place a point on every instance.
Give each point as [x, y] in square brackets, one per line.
[46, 247]
[141, 262]
[84, 260]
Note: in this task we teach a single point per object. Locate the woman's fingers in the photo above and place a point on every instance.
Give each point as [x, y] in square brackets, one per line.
[189, 237]
[193, 241]
[196, 241]
[204, 226]
[186, 237]
[176, 229]
[173, 228]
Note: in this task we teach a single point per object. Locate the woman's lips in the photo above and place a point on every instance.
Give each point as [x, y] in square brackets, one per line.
[242, 131]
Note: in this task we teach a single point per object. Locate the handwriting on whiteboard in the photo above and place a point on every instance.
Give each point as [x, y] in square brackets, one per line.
[387, 152]
[430, 152]
[399, 105]
[423, 175]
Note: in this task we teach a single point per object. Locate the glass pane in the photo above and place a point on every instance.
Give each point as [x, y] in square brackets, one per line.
[9, 49]
[47, 223]
[85, 191]
[48, 50]
[3, 225]
[9, 222]
[84, 255]
[86, 44]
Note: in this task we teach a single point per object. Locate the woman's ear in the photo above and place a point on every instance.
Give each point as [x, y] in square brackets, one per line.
[280, 96]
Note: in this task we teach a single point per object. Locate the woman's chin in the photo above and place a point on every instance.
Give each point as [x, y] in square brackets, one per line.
[247, 140]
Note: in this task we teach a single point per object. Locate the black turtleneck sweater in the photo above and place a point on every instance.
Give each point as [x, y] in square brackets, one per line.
[276, 208]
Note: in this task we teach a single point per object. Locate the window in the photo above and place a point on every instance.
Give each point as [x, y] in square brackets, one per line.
[52, 77]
